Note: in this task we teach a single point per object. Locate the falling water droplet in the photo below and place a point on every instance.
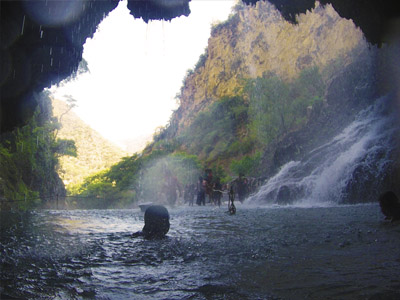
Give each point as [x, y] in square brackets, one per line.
[51, 50]
[41, 70]
[23, 25]
[51, 62]
[41, 34]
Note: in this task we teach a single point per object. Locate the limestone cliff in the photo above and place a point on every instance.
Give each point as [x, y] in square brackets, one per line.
[256, 40]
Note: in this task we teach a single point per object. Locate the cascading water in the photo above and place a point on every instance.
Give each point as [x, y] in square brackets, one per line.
[353, 160]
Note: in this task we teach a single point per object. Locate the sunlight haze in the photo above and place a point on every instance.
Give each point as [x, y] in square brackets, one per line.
[136, 69]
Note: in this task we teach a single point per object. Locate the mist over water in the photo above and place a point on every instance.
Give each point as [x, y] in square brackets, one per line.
[322, 176]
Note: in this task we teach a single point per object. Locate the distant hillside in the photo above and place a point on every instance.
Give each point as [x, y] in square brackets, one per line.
[95, 153]
[137, 144]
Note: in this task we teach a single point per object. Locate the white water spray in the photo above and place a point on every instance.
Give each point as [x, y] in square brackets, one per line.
[321, 177]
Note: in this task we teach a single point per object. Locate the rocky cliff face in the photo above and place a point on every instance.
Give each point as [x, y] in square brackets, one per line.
[257, 40]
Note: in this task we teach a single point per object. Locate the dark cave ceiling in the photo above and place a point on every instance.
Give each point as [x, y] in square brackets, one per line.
[42, 41]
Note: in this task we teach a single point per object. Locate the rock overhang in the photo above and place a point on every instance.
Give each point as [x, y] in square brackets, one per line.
[42, 41]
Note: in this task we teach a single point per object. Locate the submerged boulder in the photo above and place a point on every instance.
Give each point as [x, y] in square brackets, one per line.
[284, 197]
[390, 205]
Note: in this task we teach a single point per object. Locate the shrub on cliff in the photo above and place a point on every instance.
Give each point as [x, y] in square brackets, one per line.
[277, 107]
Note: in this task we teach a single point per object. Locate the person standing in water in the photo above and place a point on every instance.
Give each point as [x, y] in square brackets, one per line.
[201, 197]
[231, 195]
[171, 186]
[241, 186]
[217, 191]
[189, 193]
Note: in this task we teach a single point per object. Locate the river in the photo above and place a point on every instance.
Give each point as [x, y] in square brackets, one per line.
[262, 252]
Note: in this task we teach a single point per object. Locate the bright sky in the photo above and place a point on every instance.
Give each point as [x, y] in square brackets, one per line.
[136, 69]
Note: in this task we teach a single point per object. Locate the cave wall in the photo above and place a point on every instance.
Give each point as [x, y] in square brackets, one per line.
[42, 44]
[42, 41]
[372, 16]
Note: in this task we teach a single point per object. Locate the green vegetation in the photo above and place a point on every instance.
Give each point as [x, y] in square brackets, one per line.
[229, 137]
[234, 131]
[29, 160]
[135, 178]
[246, 164]
[277, 107]
[215, 130]
[95, 153]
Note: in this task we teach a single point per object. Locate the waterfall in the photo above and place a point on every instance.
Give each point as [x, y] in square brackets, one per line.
[351, 164]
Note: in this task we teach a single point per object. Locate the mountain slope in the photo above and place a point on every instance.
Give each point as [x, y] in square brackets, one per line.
[259, 79]
[256, 40]
[263, 93]
[95, 153]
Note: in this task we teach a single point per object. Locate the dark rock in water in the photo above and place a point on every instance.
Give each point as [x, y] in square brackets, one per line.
[156, 222]
[363, 176]
[390, 205]
[283, 197]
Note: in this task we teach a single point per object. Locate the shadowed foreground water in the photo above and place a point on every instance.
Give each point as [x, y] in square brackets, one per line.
[341, 252]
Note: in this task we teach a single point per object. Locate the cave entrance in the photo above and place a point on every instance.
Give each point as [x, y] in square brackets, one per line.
[131, 71]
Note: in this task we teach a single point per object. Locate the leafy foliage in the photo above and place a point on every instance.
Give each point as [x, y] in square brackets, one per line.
[135, 178]
[202, 60]
[89, 154]
[214, 130]
[276, 107]
[246, 164]
[29, 160]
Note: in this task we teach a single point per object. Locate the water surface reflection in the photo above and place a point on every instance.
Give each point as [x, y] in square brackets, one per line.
[342, 252]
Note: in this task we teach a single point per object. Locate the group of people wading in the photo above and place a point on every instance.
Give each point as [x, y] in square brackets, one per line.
[210, 190]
